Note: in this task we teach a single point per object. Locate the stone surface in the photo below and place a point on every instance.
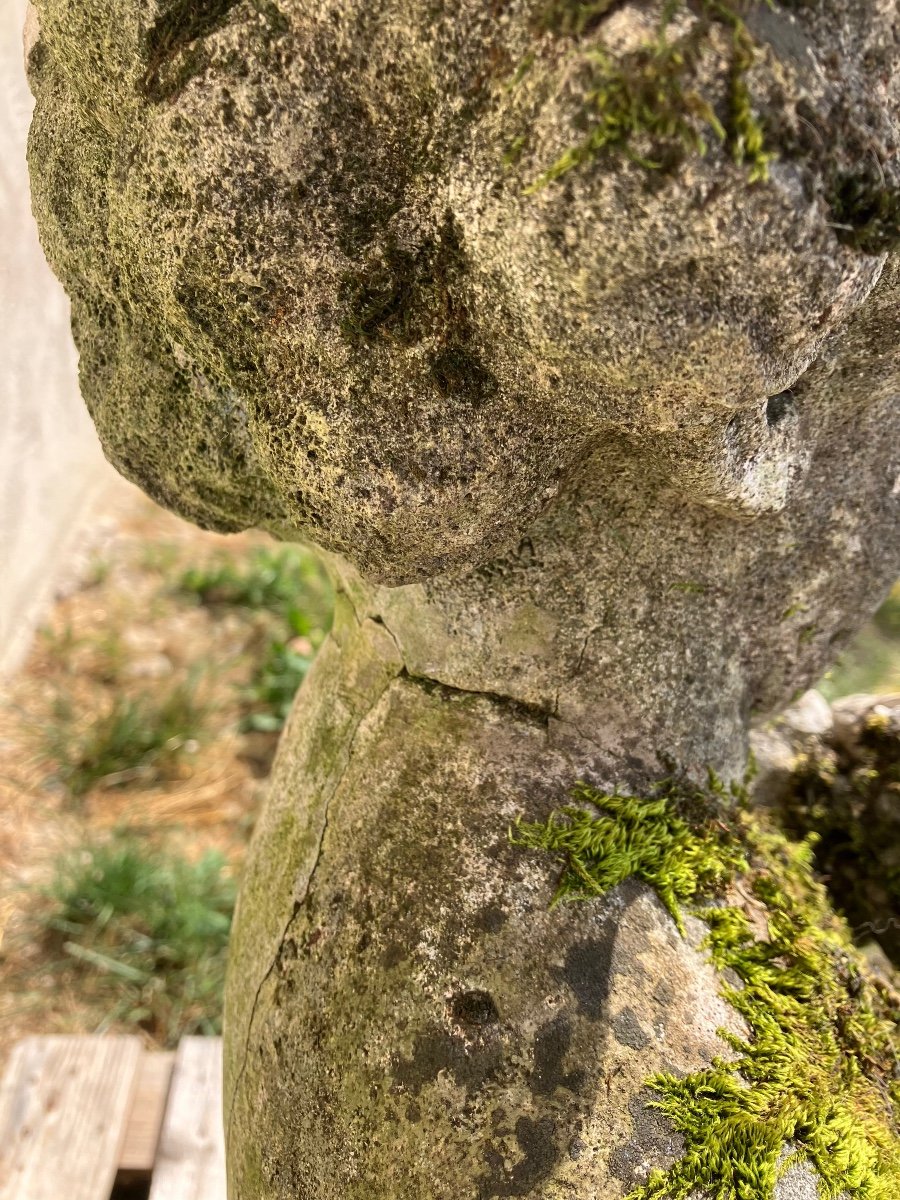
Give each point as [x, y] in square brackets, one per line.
[600, 468]
[407, 1016]
[798, 1183]
[778, 744]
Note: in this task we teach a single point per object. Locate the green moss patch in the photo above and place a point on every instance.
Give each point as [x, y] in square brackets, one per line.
[848, 793]
[623, 836]
[819, 1072]
[651, 92]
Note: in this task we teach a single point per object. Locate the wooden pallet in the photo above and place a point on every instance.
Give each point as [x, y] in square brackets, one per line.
[81, 1117]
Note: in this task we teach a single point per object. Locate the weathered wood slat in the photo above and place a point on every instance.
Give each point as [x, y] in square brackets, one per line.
[148, 1106]
[190, 1159]
[63, 1108]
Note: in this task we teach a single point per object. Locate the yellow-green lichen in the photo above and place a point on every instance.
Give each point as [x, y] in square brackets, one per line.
[818, 1075]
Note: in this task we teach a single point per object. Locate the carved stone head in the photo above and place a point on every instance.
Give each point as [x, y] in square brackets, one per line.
[381, 275]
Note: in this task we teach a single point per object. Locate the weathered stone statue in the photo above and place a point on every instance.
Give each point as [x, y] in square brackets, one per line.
[568, 329]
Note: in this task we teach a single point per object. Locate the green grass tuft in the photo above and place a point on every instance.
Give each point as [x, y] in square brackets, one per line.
[148, 931]
[141, 737]
[275, 580]
[271, 692]
[290, 584]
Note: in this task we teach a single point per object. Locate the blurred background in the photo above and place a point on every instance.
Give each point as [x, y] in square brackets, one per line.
[146, 669]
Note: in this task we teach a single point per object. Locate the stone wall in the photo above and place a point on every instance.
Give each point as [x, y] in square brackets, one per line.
[50, 461]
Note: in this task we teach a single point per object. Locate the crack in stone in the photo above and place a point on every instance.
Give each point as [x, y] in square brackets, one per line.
[519, 708]
[301, 899]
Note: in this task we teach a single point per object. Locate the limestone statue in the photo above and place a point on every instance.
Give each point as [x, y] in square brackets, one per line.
[568, 331]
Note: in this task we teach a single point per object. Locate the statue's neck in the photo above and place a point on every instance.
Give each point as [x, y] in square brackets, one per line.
[652, 628]
[610, 618]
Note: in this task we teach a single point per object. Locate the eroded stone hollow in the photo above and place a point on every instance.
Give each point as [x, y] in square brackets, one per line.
[593, 417]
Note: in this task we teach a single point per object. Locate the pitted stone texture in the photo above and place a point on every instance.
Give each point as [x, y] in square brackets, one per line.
[425, 1025]
[309, 295]
[799, 1182]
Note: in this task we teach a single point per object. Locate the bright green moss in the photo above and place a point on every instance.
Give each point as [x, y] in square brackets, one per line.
[624, 836]
[819, 1072]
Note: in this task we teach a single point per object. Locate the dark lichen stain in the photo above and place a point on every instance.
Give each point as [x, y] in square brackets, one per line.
[491, 918]
[474, 1009]
[778, 407]
[576, 1149]
[459, 373]
[407, 293]
[652, 1144]
[394, 954]
[551, 1044]
[37, 58]
[538, 1142]
[664, 993]
[628, 1030]
[587, 972]
[380, 302]
[471, 1064]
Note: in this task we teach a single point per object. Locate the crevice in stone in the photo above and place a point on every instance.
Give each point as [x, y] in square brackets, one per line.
[178, 27]
[519, 709]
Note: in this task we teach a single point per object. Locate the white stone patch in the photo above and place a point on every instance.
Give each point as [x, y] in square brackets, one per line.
[799, 1182]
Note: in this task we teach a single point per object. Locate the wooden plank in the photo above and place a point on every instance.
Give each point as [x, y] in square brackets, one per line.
[63, 1107]
[190, 1161]
[148, 1106]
